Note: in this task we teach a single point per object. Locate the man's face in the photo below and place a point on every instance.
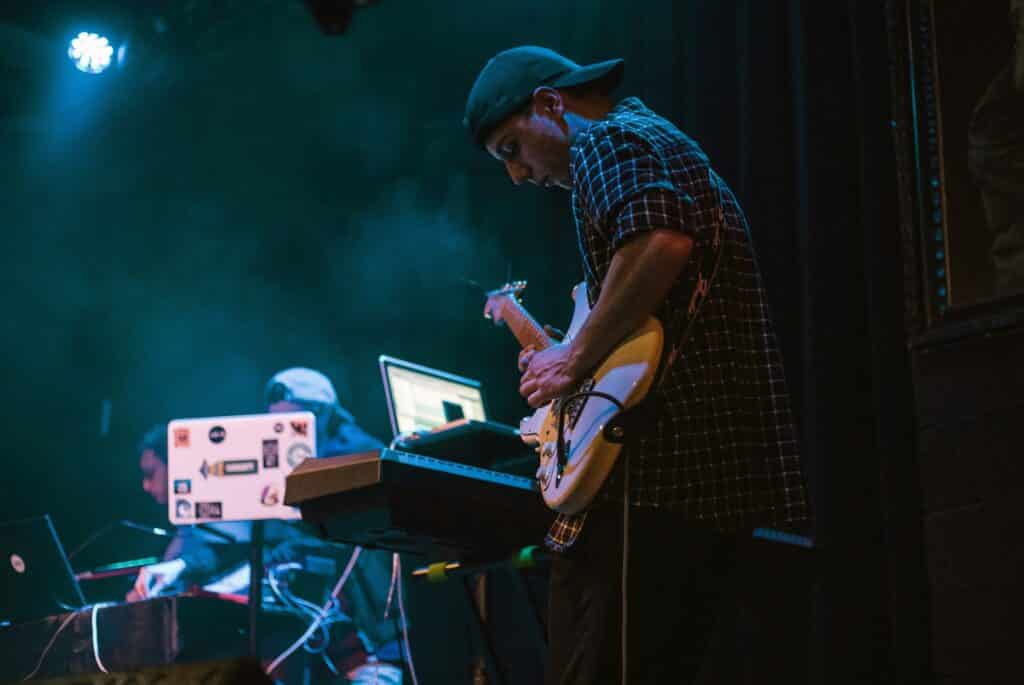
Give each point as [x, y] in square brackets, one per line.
[154, 476]
[534, 145]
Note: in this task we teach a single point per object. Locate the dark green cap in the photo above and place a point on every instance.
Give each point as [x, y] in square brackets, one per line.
[507, 81]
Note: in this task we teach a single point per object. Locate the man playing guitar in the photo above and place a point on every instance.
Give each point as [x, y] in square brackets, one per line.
[642, 574]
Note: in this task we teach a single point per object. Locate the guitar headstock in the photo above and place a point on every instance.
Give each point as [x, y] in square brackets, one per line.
[497, 299]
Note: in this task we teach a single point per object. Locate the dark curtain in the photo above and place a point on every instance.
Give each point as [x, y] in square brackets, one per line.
[792, 101]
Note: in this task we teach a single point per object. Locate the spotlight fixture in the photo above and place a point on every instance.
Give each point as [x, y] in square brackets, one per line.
[90, 52]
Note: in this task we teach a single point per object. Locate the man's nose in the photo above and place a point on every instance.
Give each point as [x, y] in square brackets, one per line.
[517, 172]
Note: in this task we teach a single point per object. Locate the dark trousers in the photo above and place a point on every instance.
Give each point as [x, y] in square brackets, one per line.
[702, 607]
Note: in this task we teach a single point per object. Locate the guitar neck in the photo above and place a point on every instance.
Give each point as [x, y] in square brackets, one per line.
[524, 327]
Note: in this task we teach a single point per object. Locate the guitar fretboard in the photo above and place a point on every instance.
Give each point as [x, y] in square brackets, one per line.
[523, 326]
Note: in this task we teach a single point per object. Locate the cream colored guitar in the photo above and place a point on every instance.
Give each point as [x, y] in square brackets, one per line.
[572, 469]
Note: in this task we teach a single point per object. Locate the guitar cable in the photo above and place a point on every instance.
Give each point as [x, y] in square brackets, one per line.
[560, 446]
[625, 571]
[560, 452]
[565, 402]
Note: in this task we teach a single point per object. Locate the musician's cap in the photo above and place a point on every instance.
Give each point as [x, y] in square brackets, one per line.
[507, 81]
[299, 384]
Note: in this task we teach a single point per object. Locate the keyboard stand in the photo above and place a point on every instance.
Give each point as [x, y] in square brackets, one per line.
[255, 586]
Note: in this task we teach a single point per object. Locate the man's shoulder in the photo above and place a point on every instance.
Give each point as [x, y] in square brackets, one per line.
[611, 134]
[348, 439]
[631, 124]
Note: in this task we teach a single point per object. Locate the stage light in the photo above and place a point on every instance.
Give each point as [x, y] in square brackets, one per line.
[90, 52]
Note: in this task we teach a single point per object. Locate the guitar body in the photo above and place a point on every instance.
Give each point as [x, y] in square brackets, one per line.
[627, 374]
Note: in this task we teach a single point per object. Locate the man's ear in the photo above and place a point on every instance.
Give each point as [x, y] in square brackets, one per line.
[548, 102]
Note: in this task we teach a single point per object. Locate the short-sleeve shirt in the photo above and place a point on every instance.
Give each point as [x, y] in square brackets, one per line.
[722, 449]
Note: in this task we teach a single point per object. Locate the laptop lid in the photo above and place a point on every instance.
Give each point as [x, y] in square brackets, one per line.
[232, 468]
[421, 398]
[35, 575]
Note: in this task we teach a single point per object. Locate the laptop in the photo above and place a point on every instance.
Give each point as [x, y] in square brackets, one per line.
[232, 468]
[443, 415]
[36, 575]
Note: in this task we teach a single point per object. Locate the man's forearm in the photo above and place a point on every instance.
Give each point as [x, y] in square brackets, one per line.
[639, 278]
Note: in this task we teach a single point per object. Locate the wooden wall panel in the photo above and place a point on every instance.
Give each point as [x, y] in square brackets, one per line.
[969, 388]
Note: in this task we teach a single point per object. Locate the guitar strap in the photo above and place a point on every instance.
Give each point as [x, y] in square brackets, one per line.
[678, 327]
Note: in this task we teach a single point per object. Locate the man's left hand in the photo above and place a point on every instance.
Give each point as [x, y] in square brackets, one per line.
[549, 374]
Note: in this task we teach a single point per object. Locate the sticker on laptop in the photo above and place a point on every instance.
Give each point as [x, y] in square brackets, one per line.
[17, 563]
[209, 510]
[270, 454]
[229, 467]
[298, 453]
[183, 508]
[270, 495]
[217, 434]
[183, 486]
[300, 428]
[182, 437]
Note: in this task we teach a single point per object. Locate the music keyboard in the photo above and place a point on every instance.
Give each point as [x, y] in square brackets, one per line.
[422, 505]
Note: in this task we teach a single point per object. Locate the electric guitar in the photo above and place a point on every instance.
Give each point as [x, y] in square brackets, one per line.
[576, 458]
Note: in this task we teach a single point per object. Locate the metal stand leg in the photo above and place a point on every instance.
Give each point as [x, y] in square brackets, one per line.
[255, 587]
[477, 590]
[531, 598]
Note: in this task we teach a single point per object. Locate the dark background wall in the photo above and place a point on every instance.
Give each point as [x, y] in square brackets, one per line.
[248, 194]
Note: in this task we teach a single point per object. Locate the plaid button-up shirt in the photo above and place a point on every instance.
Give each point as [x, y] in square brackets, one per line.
[722, 449]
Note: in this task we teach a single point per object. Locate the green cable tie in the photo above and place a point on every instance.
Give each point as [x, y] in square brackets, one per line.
[525, 558]
[437, 572]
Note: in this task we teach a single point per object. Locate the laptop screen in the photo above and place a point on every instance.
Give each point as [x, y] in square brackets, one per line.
[421, 399]
[35, 575]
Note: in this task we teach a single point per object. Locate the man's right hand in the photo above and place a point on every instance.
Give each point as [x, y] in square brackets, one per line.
[527, 352]
[154, 578]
